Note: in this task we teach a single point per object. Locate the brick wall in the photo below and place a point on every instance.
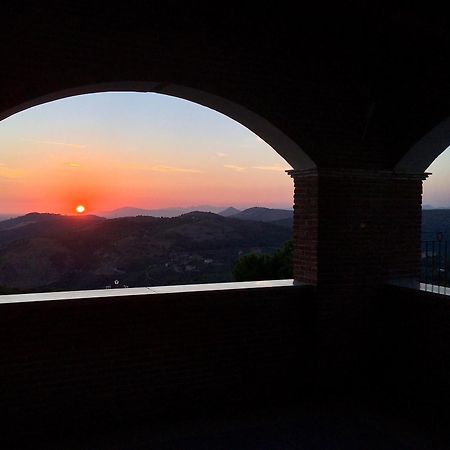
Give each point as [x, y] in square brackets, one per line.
[81, 363]
[356, 228]
[353, 230]
[305, 231]
[73, 365]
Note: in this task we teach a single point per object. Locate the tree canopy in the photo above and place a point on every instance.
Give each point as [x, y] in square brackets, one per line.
[267, 266]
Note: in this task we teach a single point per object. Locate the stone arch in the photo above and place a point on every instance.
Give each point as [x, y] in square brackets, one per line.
[426, 150]
[281, 143]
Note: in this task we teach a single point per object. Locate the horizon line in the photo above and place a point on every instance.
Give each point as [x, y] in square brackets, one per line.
[169, 208]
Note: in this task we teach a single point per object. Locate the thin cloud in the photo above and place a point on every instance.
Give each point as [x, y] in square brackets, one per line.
[166, 169]
[64, 144]
[72, 164]
[10, 174]
[271, 168]
[175, 169]
[221, 154]
[233, 167]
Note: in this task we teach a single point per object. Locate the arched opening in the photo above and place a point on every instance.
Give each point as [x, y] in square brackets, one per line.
[81, 202]
[435, 234]
[279, 141]
[422, 154]
[430, 156]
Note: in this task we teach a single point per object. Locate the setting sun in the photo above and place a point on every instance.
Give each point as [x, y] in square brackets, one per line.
[88, 161]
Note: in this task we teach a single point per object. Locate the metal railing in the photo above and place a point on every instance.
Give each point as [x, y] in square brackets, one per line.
[435, 262]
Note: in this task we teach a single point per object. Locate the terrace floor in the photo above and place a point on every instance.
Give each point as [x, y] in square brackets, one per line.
[330, 423]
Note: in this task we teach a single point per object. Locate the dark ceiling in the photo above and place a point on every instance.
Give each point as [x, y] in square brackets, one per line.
[355, 86]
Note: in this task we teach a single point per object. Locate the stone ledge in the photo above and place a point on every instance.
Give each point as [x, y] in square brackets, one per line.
[127, 292]
[358, 173]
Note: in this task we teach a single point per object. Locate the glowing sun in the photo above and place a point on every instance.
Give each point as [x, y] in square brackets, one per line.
[80, 209]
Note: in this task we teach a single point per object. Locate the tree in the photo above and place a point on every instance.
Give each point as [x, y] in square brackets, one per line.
[269, 266]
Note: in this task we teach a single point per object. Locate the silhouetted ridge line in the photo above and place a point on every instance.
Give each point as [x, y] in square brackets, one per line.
[45, 252]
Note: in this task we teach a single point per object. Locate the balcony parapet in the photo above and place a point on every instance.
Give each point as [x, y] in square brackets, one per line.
[139, 291]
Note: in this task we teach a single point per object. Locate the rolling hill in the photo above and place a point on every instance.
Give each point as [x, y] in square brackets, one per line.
[434, 221]
[229, 211]
[44, 252]
[130, 211]
[264, 214]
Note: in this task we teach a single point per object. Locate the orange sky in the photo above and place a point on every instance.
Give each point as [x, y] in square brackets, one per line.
[107, 151]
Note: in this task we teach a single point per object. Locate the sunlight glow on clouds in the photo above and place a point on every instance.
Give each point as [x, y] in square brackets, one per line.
[272, 168]
[9, 173]
[63, 144]
[172, 169]
[236, 168]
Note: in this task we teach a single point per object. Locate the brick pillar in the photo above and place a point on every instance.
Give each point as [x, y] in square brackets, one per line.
[353, 230]
[356, 228]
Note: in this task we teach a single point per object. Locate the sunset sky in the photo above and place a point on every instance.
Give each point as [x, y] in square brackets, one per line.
[436, 188]
[110, 150]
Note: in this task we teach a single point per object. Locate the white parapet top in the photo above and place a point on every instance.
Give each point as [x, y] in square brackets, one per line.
[126, 292]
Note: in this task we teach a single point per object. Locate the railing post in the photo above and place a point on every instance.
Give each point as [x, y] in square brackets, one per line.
[434, 267]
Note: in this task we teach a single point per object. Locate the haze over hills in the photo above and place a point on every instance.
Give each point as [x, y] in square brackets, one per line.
[434, 221]
[264, 214]
[267, 214]
[130, 211]
[252, 213]
[6, 216]
[229, 211]
[44, 252]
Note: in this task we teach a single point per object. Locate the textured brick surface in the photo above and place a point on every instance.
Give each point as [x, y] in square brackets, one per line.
[100, 360]
[353, 231]
[356, 228]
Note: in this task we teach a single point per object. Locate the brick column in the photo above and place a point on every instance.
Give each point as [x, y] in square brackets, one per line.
[356, 228]
[353, 230]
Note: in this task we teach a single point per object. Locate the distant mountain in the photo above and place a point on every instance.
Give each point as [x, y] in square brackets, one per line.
[264, 214]
[28, 219]
[52, 226]
[46, 252]
[48, 218]
[435, 221]
[288, 223]
[6, 217]
[229, 212]
[129, 211]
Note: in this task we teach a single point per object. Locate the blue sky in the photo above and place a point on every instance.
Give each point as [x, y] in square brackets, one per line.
[436, 188]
